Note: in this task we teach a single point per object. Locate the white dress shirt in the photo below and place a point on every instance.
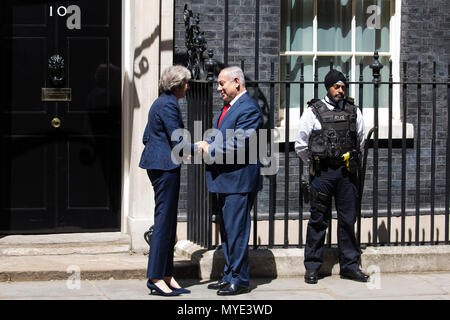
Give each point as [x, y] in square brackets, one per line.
[309, 122]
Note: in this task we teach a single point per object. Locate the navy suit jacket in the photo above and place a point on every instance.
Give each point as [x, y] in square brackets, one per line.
[245, 114]
[164, 118]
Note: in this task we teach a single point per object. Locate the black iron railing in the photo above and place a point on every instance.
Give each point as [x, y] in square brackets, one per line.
[199, 201]
[396, 185]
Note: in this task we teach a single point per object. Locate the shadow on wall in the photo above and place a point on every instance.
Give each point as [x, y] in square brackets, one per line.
[130, 94]
[143, 65]
[410, 237]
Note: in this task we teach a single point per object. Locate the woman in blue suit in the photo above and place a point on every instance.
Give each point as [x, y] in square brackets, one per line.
[163, 170]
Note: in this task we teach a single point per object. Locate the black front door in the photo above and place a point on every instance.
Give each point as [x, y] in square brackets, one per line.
[60, 116]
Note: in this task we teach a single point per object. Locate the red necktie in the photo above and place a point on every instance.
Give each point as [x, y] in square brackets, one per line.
[225, 109]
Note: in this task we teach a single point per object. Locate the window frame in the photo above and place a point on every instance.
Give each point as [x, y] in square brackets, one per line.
[393, 54]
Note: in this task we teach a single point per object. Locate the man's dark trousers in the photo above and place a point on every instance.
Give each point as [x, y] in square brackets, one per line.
[341, 184]
[235, 234]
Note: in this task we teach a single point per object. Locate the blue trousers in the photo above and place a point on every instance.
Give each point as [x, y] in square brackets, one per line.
[235, 234]
[166, 185]
[340, 184]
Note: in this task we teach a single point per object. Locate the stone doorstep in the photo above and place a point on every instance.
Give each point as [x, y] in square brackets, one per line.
[64, 238]
[65, 250]
[97, 256]
[60, 244]
[289, 262]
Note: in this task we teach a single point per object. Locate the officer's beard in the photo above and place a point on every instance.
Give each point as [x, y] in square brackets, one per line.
[338, 97]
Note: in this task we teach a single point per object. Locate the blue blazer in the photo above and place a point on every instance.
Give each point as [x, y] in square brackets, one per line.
[164, 118]
[239, 176]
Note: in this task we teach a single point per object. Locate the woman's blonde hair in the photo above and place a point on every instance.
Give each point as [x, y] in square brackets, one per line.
[173, 77]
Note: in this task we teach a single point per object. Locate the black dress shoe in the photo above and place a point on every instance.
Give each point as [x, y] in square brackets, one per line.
[357, 275]
[311, 276]
[232, 290]
[218, 285]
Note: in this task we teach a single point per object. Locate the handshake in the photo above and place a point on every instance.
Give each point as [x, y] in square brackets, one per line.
[202, 146]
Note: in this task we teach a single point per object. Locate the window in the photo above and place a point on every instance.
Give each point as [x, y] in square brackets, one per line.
[346, 32]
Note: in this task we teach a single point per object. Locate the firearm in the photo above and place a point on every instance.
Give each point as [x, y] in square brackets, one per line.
[314, 166]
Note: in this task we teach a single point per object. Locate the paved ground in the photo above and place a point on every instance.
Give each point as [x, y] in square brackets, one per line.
[425, 286]
[99, 268]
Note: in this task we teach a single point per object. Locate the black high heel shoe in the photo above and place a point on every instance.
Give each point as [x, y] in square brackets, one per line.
[154, 288]
[180, 290]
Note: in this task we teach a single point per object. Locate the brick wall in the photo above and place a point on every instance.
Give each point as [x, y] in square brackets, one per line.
[241, 35]
[425, 37]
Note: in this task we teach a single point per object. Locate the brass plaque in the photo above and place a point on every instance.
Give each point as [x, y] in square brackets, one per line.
[56, 94]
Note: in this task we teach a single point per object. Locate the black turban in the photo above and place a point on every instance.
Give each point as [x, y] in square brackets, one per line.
[334, 76]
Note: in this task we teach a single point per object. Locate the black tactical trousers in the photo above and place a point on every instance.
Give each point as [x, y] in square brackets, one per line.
[340, 184]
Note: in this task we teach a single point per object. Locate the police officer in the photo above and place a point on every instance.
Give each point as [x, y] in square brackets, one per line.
[330, 139]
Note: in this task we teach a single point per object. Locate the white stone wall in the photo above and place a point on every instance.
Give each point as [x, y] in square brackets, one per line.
[147, 36]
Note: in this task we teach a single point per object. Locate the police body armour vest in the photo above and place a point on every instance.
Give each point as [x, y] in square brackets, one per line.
[338, 133]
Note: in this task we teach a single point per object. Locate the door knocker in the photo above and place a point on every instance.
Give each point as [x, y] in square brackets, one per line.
[56, 70]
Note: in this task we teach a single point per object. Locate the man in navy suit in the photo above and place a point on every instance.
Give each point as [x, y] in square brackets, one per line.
[234, 175]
